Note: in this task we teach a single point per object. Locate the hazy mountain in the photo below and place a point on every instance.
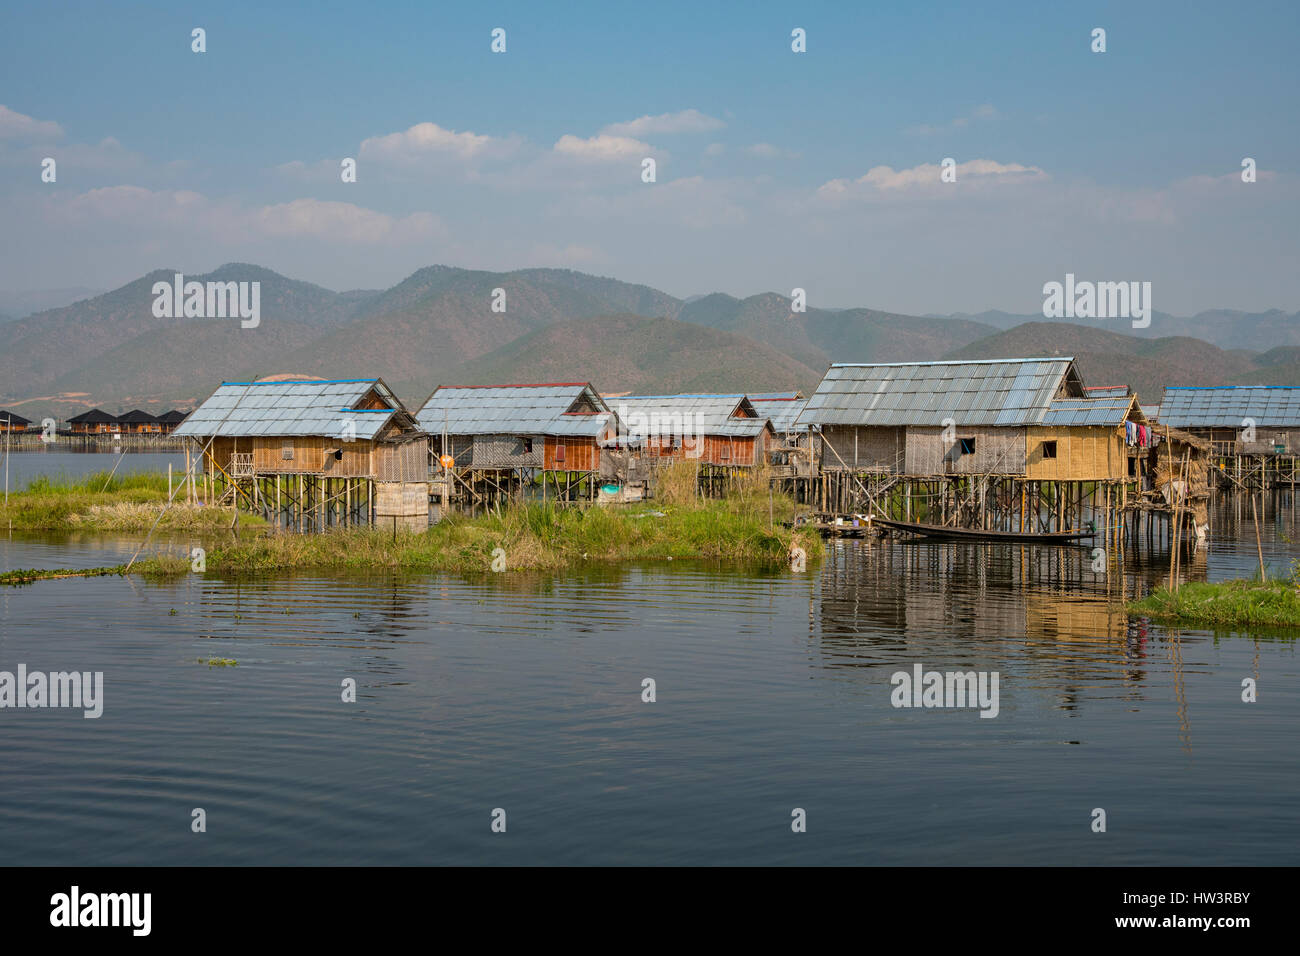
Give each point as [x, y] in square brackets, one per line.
[818, 337]
[60, 343]
[438, 326]
[621, 353]
[1226, 328]
[18, 303]
[1114, 358]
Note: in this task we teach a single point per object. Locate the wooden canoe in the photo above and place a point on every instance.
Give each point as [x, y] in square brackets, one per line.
[974, 534]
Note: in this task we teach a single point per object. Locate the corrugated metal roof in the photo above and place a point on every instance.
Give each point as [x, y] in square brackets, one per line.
[513, 410]
[781, 411]
[290, 408]
[985, 392]
[1064, 412]
[705, 414]
[1227, 406]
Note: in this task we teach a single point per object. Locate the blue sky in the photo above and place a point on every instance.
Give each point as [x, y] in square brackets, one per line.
[774, 169]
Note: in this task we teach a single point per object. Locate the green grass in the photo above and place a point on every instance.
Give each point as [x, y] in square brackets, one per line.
[1236, 603]
[21, 576]
[744, 527]
[533, 537]
[97, 502]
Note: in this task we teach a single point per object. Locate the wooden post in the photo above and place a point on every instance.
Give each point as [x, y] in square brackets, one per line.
[1259, 547]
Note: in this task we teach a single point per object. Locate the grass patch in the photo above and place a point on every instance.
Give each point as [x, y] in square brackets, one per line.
[745, 527]
[38, 574]
[98, 502]
[1237, 603]
[532, 537]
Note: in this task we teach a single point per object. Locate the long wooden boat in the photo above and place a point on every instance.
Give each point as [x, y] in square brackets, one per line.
[975, 534]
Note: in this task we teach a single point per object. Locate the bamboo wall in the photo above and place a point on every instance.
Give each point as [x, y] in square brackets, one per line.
[998, 450]
[402, 461]
[861, 448]
[311, 455]
[1083, 453]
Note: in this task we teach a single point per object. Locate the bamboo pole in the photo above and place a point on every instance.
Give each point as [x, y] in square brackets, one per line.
[1259, 547]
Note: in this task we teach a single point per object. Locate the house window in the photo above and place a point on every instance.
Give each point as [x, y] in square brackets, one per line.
[286, 451]
[726, 451]
[528, 446]
[967, 446]
[559, 454]
[1049, 449]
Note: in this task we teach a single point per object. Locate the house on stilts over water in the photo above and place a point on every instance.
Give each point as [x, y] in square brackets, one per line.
[310, 454]
[495, 442]
[995, 445]
[722, 434]
[1253, 431]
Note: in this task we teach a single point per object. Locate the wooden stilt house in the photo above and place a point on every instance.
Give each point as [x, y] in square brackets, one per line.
[503, 440]
[311, 454]
[1010, 444]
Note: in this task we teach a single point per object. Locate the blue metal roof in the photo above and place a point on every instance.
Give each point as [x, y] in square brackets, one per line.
[1065, 412]
[1228, 406]
[294, 407]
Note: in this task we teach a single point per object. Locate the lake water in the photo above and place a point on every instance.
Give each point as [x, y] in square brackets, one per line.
[523, 692]
[26, 465]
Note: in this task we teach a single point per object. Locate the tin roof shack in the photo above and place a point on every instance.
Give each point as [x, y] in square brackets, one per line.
[502, 437]
[12, 422]
[935, 418]
[137, 422]
[312, 454]
[1003, 444]
[720, 433]
[726, 431]
[1253, 430]
[94, 422]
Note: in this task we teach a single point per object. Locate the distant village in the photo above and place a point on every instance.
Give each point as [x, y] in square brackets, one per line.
[98, 422]
[1011, 446]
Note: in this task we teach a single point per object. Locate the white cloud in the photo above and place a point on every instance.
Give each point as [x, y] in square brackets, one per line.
[686, 121]
[429, 139]
[601, 148]
[885, 181]
[714, 149]
[14, 125]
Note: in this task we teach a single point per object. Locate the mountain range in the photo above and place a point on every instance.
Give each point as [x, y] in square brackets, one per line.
[439, 326]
